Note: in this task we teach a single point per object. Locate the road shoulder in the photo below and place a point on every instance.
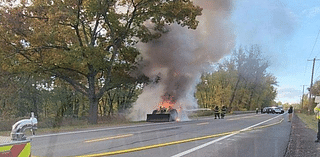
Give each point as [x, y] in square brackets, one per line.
[301, 141]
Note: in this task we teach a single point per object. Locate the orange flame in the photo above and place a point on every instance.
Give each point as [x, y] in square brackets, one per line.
[167, 101]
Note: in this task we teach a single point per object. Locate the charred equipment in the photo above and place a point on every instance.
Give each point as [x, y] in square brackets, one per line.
[163, 114]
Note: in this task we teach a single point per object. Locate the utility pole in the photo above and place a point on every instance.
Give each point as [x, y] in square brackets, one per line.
[310, 103]
[302, 96]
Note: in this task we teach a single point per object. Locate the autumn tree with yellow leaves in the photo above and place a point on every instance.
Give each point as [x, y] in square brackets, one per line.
[90, 44]
[240, 82]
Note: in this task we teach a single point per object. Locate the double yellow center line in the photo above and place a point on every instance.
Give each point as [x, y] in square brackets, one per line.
[170, 143]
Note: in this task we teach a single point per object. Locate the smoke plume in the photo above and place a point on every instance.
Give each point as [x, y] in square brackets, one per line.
[177, 60]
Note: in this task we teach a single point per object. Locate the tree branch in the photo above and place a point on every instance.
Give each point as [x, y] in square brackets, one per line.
[76, 27]
[68, 69]
[84, 32]
[79, 87]
[36, 17]
[94, 32]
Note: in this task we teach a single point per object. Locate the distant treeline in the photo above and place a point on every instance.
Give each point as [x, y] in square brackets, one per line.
[240, 82]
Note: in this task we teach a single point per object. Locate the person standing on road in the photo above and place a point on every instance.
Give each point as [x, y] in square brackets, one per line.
[216, 112]
[257, 110]
[290, 113]
[317, 112]
[223, 111]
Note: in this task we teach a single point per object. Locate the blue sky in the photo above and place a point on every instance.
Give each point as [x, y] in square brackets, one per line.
[287, 31]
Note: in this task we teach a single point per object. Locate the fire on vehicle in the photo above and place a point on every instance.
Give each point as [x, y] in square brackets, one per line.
[165, 111]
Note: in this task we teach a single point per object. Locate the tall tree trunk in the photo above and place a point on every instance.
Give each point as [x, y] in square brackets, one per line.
[76, 107]
[110, 102]
[83, 104]
[250, 99]
[45, 108]
[105, 109]
[207, 99]
[234, 93]
[100, 106]
[93, 109]
[35, 107]
[93, 101]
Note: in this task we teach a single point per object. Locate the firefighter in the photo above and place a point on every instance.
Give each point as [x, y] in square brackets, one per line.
[317, 112]
[223, 111]
[216, 112]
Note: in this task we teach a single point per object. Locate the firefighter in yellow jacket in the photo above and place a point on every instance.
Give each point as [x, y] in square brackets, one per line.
[317, 112]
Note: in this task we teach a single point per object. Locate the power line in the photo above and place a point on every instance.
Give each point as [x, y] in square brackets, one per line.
[312, 51]
[314, 44]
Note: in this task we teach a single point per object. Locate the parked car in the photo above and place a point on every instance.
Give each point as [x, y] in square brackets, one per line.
[267, 110]
[277, 110]
[282, 111]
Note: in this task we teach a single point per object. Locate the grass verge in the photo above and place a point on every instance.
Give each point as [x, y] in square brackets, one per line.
[309, 120]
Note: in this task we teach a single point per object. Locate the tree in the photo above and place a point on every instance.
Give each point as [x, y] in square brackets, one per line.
[88, 44]
[239, 82]
[315, 90]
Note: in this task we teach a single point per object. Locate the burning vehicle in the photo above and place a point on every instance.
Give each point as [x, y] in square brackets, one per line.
[163, 115]
[164, 112]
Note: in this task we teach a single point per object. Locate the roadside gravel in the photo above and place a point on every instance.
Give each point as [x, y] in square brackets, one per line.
[301, 142]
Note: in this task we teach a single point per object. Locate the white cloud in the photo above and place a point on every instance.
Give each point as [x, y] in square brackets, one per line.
[289, 95]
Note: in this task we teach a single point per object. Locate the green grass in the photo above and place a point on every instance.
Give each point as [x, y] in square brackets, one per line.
[309, 120]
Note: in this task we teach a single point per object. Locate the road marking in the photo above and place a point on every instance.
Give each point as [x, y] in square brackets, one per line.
[222, 138]
[203, 123]
[243, 117]
[156, 130]
[225, 135]
[114, 128]
[156, 145]
[212, 117]
[96, 130]
[109, 138]
[131, 134]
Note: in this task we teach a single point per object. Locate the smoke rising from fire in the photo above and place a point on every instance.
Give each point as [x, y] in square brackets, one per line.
[177, 60]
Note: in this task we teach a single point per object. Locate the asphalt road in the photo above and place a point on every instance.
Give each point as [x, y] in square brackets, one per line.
[263, 135]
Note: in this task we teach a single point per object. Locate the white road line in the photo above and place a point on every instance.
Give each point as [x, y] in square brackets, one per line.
[219, 139]
[229, 116]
